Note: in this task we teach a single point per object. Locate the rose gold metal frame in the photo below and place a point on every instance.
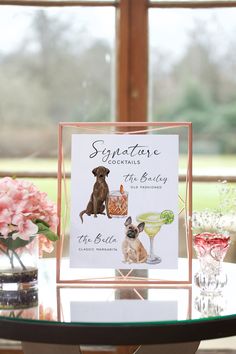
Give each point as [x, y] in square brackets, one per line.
[127, 279]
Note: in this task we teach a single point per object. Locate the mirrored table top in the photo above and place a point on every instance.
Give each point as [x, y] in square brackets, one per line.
[120, 315]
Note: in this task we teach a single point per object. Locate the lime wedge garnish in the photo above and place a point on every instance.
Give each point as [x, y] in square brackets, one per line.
[167, 216]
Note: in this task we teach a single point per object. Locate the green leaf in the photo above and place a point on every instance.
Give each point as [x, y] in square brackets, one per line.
[14, 244]
[43, 229]
[39, 221]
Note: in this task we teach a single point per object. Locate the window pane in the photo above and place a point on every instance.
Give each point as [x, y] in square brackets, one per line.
[56, 64]
[192, 73]
[192, 77]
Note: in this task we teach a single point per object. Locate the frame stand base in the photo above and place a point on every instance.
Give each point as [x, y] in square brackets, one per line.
[176, 348]
[45, 348]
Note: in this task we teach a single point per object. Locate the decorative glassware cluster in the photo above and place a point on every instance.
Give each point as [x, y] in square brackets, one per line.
[211, 249]
[211, 240]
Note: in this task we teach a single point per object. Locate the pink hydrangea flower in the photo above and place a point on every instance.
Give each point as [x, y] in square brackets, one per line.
[26, 228]
[21, 205]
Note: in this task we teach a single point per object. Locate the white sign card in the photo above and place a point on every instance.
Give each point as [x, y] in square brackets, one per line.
[124, 201]
[123, 311]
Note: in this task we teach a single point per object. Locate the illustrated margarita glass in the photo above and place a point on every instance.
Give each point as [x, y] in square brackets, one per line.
[153, 223]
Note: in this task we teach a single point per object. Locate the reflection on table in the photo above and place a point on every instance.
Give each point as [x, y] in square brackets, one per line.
[121, 305]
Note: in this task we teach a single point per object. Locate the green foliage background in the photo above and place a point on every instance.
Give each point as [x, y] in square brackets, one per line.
[60, 72]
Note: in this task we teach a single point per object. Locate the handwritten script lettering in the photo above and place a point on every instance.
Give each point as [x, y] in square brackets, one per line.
[98, 239]
[131, 151]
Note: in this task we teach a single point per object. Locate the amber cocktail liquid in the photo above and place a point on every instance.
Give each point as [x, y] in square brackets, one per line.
[118, 203]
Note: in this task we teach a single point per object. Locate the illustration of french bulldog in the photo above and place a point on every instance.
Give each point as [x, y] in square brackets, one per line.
[132, 248]
[99, 198]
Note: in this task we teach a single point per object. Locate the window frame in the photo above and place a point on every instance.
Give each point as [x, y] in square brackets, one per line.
[132, 56]
[132, 53]
[131, 46]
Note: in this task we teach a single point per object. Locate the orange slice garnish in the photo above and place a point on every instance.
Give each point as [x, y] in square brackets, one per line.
[121, 189]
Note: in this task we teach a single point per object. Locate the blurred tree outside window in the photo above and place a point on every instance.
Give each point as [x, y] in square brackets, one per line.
[56, 64]
[62, 64]
[192, 74]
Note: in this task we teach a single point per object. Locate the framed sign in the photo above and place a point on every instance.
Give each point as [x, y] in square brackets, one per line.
[123, 203]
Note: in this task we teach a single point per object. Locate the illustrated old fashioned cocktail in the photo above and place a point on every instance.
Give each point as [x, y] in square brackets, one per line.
[153, 223]
[118, 203]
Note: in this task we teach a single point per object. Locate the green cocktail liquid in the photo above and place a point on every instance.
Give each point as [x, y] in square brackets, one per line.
[153, 223]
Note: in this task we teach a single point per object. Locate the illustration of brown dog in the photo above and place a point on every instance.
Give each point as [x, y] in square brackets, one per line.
[132, 247]
[100, 194]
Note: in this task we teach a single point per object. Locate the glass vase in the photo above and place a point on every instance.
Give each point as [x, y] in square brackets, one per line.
[13, 302]
[29, 313]
[211, 249]
[18, 266]
[210, 305]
